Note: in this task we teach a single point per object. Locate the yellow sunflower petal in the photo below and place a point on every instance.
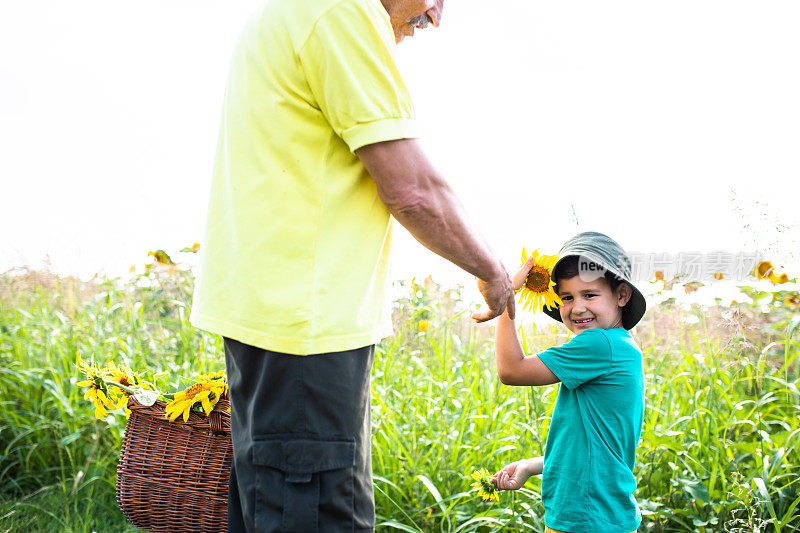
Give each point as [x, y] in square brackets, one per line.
[122, 401]
[173, 414]
[99, 410]
[783, 278]
[207, 407]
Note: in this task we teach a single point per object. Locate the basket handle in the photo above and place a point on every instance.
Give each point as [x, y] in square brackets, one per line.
[215, 421]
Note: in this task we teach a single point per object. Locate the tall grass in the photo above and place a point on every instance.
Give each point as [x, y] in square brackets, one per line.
[719, 449]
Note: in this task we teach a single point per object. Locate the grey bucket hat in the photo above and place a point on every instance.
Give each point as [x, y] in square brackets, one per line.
[606, 252]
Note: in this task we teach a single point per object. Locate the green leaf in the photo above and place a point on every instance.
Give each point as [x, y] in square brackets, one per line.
[792, 327]
[433, 490]
[72, 437]
[397, 525]
[697, 490]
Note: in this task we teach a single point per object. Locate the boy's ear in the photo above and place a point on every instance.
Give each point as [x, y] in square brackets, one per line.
[624, 293]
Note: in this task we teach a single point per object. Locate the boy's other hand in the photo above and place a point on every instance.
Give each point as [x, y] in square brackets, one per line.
[512, 476]
[522, 274]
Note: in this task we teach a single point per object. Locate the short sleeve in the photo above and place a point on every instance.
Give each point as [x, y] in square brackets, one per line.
[585, 357]
[349, 64]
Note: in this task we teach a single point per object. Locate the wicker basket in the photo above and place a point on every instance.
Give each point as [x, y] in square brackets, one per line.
[173, 476]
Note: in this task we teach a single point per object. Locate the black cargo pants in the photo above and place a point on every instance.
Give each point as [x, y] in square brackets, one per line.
[301, 441]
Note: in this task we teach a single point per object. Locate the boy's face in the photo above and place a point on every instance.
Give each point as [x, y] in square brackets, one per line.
[591, 304]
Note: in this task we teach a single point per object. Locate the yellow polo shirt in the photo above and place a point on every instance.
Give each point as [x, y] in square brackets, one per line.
[296, 253]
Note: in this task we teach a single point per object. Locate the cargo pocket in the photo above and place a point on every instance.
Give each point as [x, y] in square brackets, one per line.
[310, 479]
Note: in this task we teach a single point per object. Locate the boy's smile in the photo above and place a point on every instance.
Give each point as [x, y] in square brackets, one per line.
[591, 304]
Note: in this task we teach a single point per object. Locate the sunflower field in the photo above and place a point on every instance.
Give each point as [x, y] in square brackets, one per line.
[720, 448]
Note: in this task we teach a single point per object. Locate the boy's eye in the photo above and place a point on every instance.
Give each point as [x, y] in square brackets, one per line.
[566, 298]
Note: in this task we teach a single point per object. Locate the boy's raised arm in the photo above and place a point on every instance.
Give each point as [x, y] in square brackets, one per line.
[513, 368]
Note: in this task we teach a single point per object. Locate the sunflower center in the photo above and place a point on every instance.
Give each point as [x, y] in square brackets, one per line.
[195, 389]
[538, 279]
[764, 267]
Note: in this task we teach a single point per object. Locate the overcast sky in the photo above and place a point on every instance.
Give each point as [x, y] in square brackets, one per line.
[672, 126]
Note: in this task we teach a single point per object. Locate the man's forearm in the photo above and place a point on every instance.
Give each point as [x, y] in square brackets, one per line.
[435, 218]
[422, 201]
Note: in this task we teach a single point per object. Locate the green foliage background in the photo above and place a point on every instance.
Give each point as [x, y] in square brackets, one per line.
[719, 450]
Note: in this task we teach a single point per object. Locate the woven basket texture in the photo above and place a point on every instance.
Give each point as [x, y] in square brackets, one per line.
[173, 476]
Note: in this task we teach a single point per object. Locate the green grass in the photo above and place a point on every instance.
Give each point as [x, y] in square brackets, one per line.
[720, 449]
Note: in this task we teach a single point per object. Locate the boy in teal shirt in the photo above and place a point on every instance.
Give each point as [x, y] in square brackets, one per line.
[588, 481]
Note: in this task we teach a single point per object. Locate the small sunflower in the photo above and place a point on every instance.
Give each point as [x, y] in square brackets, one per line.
[121, 375]
[161, 257]
[783, 278]
[537, 291]
[219, 375]
[204, 394]
[660, 276]
[718, 276]
[483, 482]
[764, 270]
[103, 396]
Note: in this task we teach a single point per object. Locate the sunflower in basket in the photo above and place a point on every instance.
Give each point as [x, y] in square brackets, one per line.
[110, 386]
[203, 394]
[104, 395]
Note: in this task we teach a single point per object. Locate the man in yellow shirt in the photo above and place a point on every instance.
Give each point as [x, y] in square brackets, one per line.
[316, 152]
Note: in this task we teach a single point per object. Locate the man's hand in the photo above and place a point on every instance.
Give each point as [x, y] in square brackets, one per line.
[499, 296]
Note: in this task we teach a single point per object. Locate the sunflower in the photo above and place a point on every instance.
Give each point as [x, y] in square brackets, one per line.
[483, 482]
[764, 270]
[792, 300]
[121, 375]
[783, 278]
[219, 375]
[103, 396]
[660, 276]
[718, 276]
[537, 290]
[204, 394]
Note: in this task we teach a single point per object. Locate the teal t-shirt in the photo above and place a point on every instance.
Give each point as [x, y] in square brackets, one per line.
[588, 482]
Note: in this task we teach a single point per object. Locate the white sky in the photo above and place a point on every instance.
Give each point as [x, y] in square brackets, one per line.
[672, 126]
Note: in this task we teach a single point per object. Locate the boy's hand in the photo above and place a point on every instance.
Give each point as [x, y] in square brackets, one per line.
[512, 476]
[522, 274]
